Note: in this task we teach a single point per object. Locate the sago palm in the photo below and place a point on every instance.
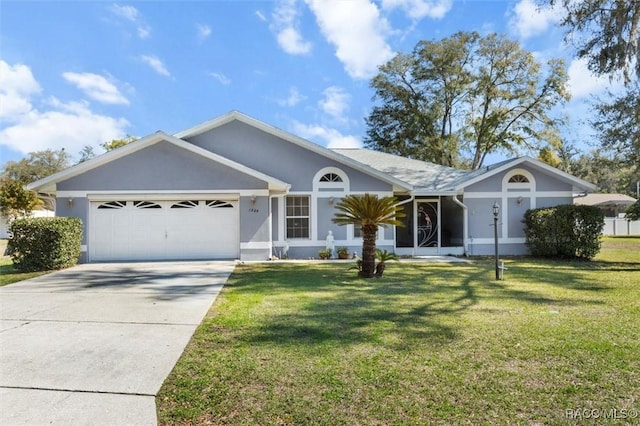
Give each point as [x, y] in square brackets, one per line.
[368, 212]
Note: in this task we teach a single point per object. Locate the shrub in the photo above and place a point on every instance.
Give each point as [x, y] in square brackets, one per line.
[633, 211]
[45, 243]
[325, 254]
[567, 231]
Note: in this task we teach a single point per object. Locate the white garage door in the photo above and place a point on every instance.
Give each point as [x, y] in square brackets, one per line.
[156, 230]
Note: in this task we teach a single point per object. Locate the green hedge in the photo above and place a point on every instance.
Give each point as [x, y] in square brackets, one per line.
[567, 231]
[45, 243]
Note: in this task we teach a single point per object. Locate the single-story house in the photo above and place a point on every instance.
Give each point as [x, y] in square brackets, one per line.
[612, 205]
[236, 187]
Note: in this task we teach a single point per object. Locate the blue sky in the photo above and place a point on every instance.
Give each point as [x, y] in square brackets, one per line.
[79, 73]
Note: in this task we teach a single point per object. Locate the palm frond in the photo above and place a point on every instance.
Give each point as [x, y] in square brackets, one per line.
[368, 210]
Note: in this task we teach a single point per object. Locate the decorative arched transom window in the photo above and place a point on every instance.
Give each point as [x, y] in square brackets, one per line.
[518, 180]
[331, 179]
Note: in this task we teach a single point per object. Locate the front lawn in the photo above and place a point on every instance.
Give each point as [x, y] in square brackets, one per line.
[426, 344]
[8, 275]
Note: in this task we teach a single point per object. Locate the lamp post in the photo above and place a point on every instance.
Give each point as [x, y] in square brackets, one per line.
[496, 212]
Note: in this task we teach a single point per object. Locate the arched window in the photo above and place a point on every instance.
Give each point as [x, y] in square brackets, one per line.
[518, 180]
[331, 179]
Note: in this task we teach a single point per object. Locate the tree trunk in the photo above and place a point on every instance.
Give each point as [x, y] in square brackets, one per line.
[368, 251]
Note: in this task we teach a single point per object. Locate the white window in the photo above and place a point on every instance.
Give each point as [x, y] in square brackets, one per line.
[518, 180]
[330, 180]
[297, 216]
[331, 177]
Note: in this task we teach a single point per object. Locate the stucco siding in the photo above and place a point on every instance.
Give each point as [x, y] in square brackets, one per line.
[546, 182]
[516, 209]
[543, 181]
[277, 157]
[255, 254]
[312, 252]
[552, 201]
[162, 166]
[326, 212]
[79, 209]
[503, 250]
[490, 184]
[481, 217]
[254, 220]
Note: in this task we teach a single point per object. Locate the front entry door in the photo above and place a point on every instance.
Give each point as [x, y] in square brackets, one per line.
[427, 226]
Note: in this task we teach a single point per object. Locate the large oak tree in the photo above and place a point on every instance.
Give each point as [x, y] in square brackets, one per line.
[605, 32]
[465, 93]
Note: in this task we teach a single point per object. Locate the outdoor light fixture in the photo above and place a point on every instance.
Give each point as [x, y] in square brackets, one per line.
[519, 200]
[496, 213]
[253, 199]
[331, 200]
[70, 202]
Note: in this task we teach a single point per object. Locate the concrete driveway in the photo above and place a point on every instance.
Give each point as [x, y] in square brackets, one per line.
[93, 344]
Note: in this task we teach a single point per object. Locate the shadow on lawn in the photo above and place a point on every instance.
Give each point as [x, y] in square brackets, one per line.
[410, 303]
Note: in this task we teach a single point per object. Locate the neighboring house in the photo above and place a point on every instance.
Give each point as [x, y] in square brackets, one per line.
[4, 223]
[235, 187]
[613, 206]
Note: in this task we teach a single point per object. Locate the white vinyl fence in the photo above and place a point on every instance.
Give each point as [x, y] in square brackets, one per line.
[620, 226]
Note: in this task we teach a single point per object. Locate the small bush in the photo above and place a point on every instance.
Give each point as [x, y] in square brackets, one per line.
[633, 211]
[45, 243]
[566, 231]
[325, 254]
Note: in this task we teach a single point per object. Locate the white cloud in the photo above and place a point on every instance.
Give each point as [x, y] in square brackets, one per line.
[292, 42]
[331, 138]
[583, 83]
[285, 25]
[418, 9]
[204, 31]
[358, 33]
[261, 16]
[70, 125]
[293, 99]
[157, 64]
[17, 85]
[96, 87]
[335, 102]
[222, 79]
[529, 19]
[132, 15]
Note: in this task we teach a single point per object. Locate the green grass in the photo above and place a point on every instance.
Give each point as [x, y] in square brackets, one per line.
[8, 275]
[426, 344]
[620, 249]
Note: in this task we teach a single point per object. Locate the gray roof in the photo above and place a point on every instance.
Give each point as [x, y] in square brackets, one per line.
[605, 200]
[433, 179]
[423, 176]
